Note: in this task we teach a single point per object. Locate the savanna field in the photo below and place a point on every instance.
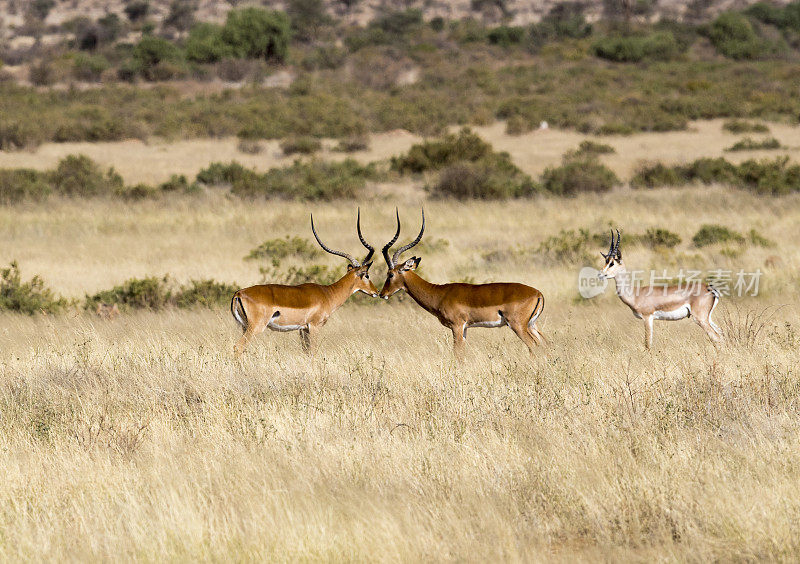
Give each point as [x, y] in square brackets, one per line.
[156, 156]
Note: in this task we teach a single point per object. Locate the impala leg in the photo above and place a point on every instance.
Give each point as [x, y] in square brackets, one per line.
[525, 336]
[648, 332]
[252, 330]
[537, 334]
[305, 340]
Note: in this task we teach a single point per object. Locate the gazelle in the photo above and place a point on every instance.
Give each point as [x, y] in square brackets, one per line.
[460, 306]
[303, 308]
[669, 303]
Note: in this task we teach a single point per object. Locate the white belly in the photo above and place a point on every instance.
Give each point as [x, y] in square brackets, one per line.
[674, 315]
[499, 323]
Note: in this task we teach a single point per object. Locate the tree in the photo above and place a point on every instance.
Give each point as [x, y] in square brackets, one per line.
[257, 33]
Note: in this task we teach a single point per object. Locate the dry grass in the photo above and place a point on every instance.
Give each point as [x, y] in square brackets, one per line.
[142, 438]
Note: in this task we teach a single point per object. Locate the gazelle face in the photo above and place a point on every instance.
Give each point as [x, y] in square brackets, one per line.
[612, 267]
[363, 283]
[395, 277]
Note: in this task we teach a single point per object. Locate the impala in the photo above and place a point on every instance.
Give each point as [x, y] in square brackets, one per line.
[303, 308]
[669, 303]
[460, 306]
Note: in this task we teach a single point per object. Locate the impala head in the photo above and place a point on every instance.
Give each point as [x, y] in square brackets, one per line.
[613, 263]
[395, 277]
[359, 269]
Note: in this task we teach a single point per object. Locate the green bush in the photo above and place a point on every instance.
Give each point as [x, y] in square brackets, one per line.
[352, 144]
[258, 34]
[205, 293]
[176, 182]
[659, 46]
[589, 147]
[568, 247]
[775, 178]
[748, 144]
[564, 20]
[486, 179]
[27, 297]
[578, 174]
[709, 171]
[218, 173]
[757, 239]
[294, 275]
[315, 180]
[156, 58]
[78, 175]
[433, 155]
[711, 234]
[206, 45]
[89, 67]
[656, 237]
[22, 184]
[304, 145]
[733, 36]
[137, 9]
[136, 293]
[656, 175]
[506, 36]
[741, 126]
[282, 248]
[138, 192]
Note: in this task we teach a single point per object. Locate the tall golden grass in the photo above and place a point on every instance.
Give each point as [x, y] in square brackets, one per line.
[143, 438]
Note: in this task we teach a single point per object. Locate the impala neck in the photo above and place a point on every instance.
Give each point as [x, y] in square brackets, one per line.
[422, 291]
[342, 289]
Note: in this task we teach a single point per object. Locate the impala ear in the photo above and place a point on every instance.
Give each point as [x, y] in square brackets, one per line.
[350, 267]
[410, 264]
[368, 265]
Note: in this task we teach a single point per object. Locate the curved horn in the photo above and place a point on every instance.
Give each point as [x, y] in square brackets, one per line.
[388, 245]
[353, 261]
[404, 248]
[611, 247]
[616, 249]
[369, 247]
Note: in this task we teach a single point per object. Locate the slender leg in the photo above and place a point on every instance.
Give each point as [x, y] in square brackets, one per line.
[537, 334]
[458, 341]
[311, 336]
[525, 336]
[709, 329]
[252, 330]
[305, 340]
[648, 332]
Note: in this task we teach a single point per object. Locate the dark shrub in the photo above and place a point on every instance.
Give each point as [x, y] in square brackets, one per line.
[487, 179]
[307, 17]
[282, 248]
[579, 174]
[155, 57]
[294, 275]
[138, 192]
[748, 144]
[711, 234]
[398, 22]
[564, 20]
[205, 44]
[205, 293]
[733, 36]
[352, 144]
[506, 36]
[741, 126]
[218, 173]
[656, 175]
[27, 297]
[41, 74]
[78, 175]
[656, 237]
[23, 184]
[776, 177]
[659, 46]
[137, 9]
[135, 293]
[432, 155]
[709, 171]
[568, 247]
[181, 14]
[89, 67]
[315, 180]
[589, 147]
[176, 182]
[258, 34]
[304, 145]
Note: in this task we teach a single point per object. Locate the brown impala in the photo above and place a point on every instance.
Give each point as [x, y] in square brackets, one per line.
[461, 306]
[669, 303]
[306, 307]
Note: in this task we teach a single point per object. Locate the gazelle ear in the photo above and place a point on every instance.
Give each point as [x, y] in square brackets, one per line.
[410, 264]
[350, 267]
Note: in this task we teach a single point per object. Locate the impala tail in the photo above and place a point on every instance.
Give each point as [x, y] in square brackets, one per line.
[238, 311]
[714, 291]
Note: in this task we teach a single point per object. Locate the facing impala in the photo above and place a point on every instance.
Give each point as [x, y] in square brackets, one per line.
[669, 303]
[306, 307]
[461, 306]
